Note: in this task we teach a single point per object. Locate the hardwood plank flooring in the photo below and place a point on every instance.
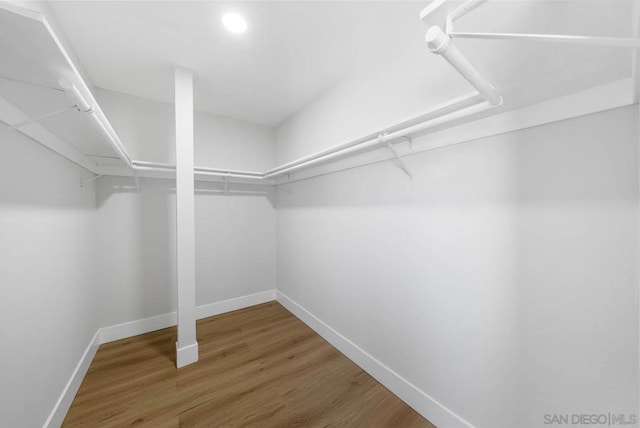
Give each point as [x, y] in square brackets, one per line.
[258, 367]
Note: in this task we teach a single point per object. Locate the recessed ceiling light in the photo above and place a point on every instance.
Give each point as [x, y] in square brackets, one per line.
[234, 22]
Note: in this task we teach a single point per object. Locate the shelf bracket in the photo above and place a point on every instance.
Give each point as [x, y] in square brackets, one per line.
[226, 185]
[89, 180]
[283, 190]
[26, 82]
[403, 165]
[29, 121]
[410, 141]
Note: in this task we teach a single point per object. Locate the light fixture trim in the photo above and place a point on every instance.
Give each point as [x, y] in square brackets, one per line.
[234, 22]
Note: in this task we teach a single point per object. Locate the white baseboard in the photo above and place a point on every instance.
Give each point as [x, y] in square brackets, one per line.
[158, 322]
[217, 308]
[57, 415]
[414, 397]
[134, 328]
[186, 355]
[424, 404]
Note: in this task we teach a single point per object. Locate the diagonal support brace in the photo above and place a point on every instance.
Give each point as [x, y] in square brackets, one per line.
[403, 165]
[89, 180]
[410, 141]
[26, 122]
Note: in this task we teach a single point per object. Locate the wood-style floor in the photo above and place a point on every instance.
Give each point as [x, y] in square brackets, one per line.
[258, 367]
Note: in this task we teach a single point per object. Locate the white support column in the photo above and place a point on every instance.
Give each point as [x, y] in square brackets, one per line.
[186, 346]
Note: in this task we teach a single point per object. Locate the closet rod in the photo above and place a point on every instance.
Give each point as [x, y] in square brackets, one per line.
[382, 139]
[209, 173]
[164, 167]
[75, 77]
[558, 38]
[440, 43]
[448, 107]
[168, 166]
[229, 171]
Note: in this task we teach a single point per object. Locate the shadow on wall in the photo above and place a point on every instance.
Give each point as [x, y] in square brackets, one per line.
[138, 241]
[33, 175]
[201, 188]
[136, 236]
[445, 175]
[577, 266]
[511, 264]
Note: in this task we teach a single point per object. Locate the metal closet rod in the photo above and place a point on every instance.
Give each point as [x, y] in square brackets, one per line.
[580, 40]
[448, 112]
[385, 138]
[557, 38]
[446, 108]
[89, 106]
[82, 96]
[216, 172]
[440, 43]
[456, 109]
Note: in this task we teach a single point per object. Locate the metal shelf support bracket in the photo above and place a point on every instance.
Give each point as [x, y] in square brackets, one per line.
[401, 161]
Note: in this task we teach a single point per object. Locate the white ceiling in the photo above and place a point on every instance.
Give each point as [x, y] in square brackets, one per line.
[291, 52]
[294, 50]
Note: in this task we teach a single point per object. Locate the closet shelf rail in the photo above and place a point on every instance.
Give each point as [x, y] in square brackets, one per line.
[169, 171]
[452, 113]
[488, 97]
[384, 137]
[71, 82]
[439, 42]
[470, 5]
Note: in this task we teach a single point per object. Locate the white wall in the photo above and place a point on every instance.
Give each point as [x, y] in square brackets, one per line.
[76, 259]
[146, 128]
[235, 245]
[235, 234]
[48, 286]
[235, 242]
[502, 280]
[137, 249]
[363, 103]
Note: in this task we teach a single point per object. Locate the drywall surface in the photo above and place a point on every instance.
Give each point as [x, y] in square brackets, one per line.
[146, 128]
[502, 281]
[48, 286]
[364, 103]
[235, 233]
[235, 245]
[400, 85]
[137, 236]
